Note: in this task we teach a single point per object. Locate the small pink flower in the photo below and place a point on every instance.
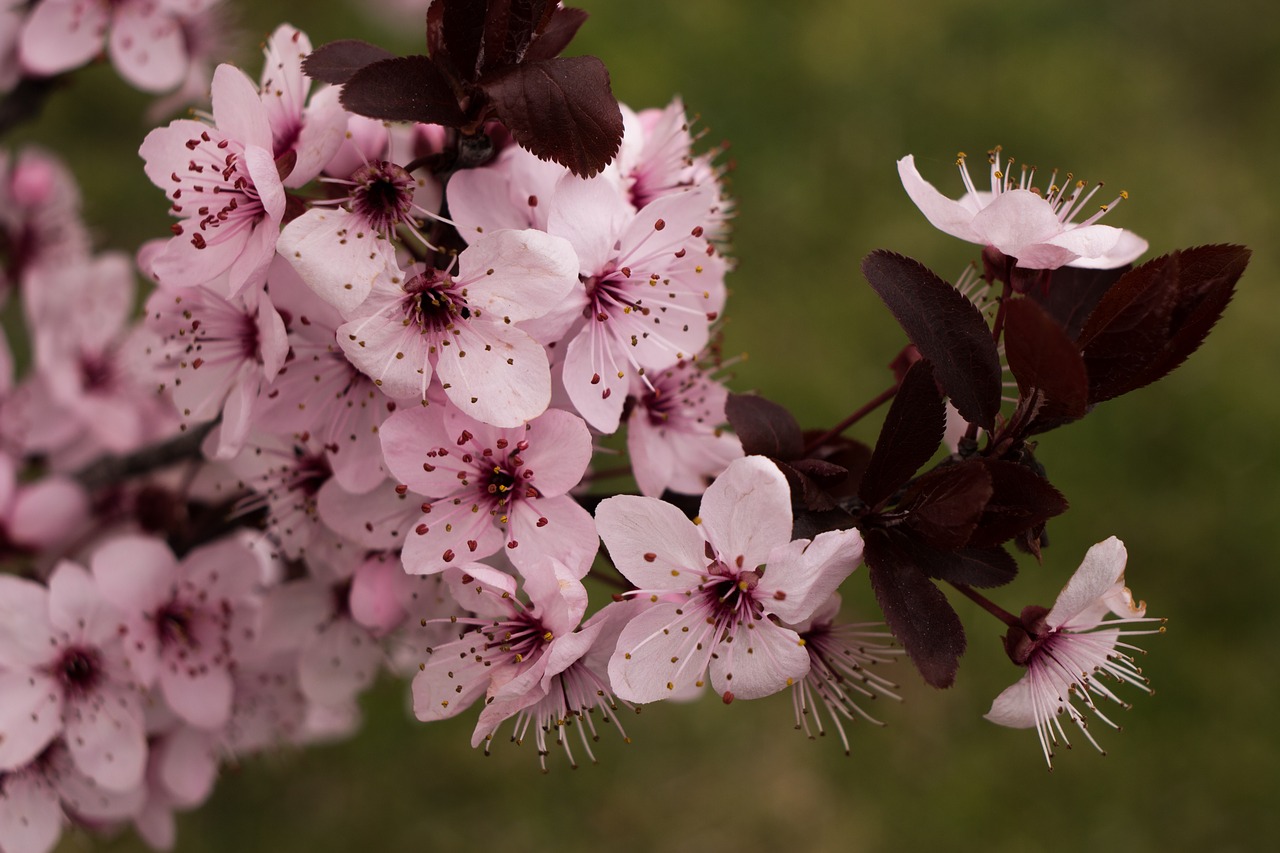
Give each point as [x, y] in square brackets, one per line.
[63, 672]
[1022, 222]
[179, 617]
[674, 434]
[506, 643]
[463, 327]
[488, 488]
[312, 130]
[224, 185]
[719, 585]
[145, 41]
[653, 285]
[1072, 650]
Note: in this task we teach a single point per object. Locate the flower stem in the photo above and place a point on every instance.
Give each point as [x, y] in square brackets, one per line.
[869, 407]
[988, 605]
[114, 469]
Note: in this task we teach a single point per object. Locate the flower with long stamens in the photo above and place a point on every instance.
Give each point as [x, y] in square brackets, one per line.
[839, 679]
[653, 285]
[462, 326]
[1073, 650]
[224, 185]
[721, 588]
[1036, 227]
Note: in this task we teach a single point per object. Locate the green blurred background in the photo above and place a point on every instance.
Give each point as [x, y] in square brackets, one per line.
[1178, 103]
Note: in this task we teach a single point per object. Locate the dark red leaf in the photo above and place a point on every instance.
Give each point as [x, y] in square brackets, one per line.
[560, 109]
[764, 427]
[943, 507]
[946, 328]
[404, 88]
[508, 28]
[557, 34]
[916, 611]
[809, 480]
[460, 32]
[337, 61]
[1046, 363]
[980, 567]
[1073, 293]
[849, 454]
[1155, 316]
[1129, 327]
[1020, 500]
[909, 437]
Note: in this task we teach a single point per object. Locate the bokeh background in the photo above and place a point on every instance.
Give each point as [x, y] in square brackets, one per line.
[1176, 102]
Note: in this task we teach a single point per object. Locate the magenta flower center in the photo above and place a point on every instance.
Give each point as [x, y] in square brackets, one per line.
[78, 670]
[383, 196]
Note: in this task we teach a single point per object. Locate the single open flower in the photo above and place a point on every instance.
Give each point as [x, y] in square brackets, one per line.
[1016, 217]
[1070, 652]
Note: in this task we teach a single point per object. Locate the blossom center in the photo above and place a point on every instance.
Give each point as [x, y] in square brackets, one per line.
[79, 670]
[383, 195]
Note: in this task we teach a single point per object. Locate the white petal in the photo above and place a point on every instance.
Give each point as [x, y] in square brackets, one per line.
[746, 512]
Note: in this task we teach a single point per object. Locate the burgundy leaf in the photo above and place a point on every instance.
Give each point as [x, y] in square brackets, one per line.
[810, 523]
[1021, 500]
[851, 455]
[1073, 293]
[557, 34]
[916, 611]
[1156, 316]
[508, 28]
[560, 109]
[909, 437]
[980, 567]
[337, 61]
[943, 507]
[1046, 362]
[404, 88]
[810, 479]
[1129, 327]
[946, 328]
[457, 32]
[1207, 281]
[764, 427]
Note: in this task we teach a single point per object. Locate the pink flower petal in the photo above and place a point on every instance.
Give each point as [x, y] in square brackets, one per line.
[807, 573]
[30, 716]
[339, 663]
[338, 260]
[202, 697]
[237, 110]
[59, 36]
[746, 512]
[26, 637]
[658, 656]
[947, 215]
[762, 660]
[147, 46]
[135, 573]
[48, 511]
[1080, 604]
[496, 374]
[77, 608]
[30, 814]
[651, 542]
[517, 275]
[553, 528]
[107, 739]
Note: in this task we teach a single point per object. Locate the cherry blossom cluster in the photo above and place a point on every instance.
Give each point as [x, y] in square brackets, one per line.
[370, 420]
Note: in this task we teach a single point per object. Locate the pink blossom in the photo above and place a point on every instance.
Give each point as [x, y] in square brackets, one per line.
[42, 514]
[568, 687]
[224, 186]
[653, 286]
[37, 799]
[1022, 222]
[310, 131]
[319, 392]
[63, 672]
[487, 488]
[218, 355]
[463, 327]
[507, 639]
[179, 618]
[1071, 651]
[145, 41]
[674, 433]
[39, 215]
[717, 586]
[341, 251]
